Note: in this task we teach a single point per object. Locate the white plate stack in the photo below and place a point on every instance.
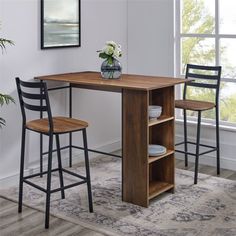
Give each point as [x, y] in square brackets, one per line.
[154, 111]
[156, 150]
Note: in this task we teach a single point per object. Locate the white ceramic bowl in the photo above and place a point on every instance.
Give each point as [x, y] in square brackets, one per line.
[154, 111]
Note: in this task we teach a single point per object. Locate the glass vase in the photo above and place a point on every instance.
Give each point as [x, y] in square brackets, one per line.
[111, 71]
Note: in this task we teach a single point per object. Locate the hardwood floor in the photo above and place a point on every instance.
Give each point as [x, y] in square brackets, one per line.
[31, 221]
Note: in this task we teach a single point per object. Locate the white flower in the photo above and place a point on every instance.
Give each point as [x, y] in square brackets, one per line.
[116, 52]
[111, 43]
[109, 50]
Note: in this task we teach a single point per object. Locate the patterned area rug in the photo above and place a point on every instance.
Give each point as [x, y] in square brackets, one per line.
[208, 208]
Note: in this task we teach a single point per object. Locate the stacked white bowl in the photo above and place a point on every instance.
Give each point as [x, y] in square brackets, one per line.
[154, 111]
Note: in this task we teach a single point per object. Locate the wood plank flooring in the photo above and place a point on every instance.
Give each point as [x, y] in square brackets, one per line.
[31, 222]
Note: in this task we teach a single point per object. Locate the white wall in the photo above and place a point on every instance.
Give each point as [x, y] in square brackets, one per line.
[102, 20]
[150, 37]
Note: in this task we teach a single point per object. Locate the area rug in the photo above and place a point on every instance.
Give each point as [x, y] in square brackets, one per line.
[208, 208]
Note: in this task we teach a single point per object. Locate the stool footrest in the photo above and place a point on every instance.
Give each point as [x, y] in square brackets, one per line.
[193, 143]
[69, 186]
[74, 174]
[34, 185]
[84, 180]
[212, 148]
[39, 174]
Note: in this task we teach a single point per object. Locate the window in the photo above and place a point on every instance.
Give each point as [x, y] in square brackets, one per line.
[206, 35]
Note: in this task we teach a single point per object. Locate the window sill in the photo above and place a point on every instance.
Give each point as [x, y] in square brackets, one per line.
[208, 125]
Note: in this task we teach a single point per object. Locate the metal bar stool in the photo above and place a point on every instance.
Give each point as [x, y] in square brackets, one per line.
[206, 77]
[49, 126]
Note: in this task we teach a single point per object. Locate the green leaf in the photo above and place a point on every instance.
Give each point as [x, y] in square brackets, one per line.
[4, 42]
[103, 55]
[4, 98]
[2, 122]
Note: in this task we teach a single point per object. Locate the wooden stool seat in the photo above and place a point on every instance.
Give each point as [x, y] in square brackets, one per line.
[194, 105]
[60, 125]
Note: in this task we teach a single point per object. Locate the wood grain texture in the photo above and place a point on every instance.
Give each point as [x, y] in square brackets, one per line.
[31, 222]
[60, 125]
[135, 147]
[94, 79]
[194, 105]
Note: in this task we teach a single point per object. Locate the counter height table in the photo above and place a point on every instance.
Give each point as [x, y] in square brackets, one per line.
[143, 177]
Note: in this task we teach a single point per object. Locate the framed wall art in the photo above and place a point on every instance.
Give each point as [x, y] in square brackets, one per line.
[60, 24]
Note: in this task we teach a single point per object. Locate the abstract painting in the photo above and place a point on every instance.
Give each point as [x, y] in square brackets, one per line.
[60, 23]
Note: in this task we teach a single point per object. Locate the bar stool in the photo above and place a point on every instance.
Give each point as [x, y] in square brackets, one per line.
[207, 77]
[49, 126]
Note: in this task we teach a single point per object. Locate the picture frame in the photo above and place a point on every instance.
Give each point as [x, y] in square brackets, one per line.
[60, 23]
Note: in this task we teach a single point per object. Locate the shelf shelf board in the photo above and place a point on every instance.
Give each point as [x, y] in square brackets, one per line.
[158, 187]
[161, 119]
[152, 159]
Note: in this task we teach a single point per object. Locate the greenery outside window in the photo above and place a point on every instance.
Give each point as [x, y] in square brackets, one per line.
[206, 35]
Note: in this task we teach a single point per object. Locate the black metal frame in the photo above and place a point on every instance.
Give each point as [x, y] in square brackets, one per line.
[43, 97]
[217, 77]
[42, 29]
[70, 146]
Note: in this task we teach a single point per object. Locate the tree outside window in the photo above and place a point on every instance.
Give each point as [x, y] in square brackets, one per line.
[206, 37]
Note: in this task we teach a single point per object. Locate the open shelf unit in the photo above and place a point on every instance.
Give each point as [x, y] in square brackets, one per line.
[147, 177]
[161, 169]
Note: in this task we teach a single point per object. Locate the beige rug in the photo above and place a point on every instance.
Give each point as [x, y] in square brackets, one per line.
[208, 208]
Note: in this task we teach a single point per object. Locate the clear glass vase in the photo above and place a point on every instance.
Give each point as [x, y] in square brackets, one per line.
[111, 71]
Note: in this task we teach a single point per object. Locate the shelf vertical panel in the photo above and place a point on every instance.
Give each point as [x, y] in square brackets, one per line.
[135, 147]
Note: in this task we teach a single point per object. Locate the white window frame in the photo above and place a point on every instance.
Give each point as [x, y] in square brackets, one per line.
[217, 36]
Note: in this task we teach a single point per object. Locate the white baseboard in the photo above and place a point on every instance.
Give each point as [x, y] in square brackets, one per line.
[78, 156]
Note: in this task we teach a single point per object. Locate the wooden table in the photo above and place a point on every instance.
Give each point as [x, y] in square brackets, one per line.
[143, 177]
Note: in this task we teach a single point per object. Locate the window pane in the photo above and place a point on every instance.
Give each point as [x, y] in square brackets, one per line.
[228, 57]
[198, 16]
[227, 16]
[228, 102]
[200, 51]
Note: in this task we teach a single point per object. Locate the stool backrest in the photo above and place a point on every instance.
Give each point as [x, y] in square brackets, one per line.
[28, 99]
[204, 77]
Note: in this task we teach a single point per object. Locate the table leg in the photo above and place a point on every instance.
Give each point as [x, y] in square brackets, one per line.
[135, 170]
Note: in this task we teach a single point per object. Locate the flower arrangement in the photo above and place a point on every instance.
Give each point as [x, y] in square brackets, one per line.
[4, 98]
[110, 51]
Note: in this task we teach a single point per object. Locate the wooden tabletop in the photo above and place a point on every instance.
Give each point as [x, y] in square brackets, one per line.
[127, 81]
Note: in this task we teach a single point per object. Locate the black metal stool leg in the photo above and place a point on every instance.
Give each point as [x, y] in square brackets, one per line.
[21, 169]
[41, 155]
[48, 193]
[70, 134]
[185, 138]
[60, 166]
[41, 135]
[217, 140]
[197, 147]
[87, 170]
